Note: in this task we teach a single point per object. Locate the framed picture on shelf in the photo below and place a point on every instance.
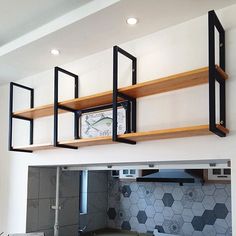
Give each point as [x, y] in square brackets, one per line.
[99, 123]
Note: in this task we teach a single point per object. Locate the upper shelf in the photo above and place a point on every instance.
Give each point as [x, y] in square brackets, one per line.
[165, 84]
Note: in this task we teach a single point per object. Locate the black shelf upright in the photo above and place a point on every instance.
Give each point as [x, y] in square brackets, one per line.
[12, 116]
[116, 94]
[214, 75]
[57, 106]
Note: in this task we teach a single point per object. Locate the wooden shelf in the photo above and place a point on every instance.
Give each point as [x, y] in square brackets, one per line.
[191, 131]
[166, 84]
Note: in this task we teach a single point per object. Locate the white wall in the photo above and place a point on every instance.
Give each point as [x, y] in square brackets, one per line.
[176, 49]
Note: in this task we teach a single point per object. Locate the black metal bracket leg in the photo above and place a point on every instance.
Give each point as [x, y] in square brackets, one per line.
[57, 106]
[131, 120]
[214, 75]
[12, 116]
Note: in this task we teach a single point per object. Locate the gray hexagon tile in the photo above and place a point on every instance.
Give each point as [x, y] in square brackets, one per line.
[159, 206]
[134, 198]
[209, 230]
[221, 226]
[150, 187]
[150, 224]
[142, 228]
[168, 199]
[228, 189]
[142, 217]
[177, 194]
[141, 191]
[142, 205]
[220, 195]
[134, 210]
[150, 211]
[134, 186]
[175, 228]
[177, 207]
[197, 208]
[159, 193]
[187, 229]
[172, 227]
[134, 222]
[208, 189]
[179, 219]
[150, 199]
[197, 233]
[228, 203]
[126, 191]
[228, 219]
[229, 232]
[166, 226]
[199, 194]
[125, 203]
[158, 218]
[187, 215]
[208, 202]
[124, 214]
[168, 213]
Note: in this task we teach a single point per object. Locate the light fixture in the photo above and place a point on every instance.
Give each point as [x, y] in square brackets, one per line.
[55, 52]
[132, 21]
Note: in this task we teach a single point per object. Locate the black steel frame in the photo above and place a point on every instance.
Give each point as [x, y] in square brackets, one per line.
[214, 75]
[131, 117]
[57, 106]
[12, 116]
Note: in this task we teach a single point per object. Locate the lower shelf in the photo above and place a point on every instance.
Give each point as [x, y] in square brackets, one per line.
[191, 131]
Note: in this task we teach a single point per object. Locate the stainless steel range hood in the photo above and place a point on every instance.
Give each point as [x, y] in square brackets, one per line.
[175, 176]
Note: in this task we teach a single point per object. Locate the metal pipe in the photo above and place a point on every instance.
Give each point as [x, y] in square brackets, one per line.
[57, 207]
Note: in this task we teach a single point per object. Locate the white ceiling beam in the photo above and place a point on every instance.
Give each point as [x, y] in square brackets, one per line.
[57, 24]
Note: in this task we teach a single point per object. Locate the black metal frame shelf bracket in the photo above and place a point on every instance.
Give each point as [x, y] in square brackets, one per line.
[214, 75]
[57, 106]
[131, 107]
[12, 116]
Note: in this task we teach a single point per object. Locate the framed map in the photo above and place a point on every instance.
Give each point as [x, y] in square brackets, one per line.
[100, 123]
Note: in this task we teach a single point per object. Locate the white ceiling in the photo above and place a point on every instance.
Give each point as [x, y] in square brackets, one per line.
[18, 17]
[90, 28]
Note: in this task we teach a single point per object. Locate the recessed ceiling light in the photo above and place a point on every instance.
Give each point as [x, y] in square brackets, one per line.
[132, 21]
[55, 52]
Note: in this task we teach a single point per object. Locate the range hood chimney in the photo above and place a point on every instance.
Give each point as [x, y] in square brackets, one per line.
[174, 176]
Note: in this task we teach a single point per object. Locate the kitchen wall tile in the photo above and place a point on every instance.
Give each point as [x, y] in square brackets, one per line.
[97, 202]
[189, 210]
[97, 181]
[69, 213]
[47, 188]
[69, 184]
[69, 230]
[46, 214]
[32, 215]
[33, 183]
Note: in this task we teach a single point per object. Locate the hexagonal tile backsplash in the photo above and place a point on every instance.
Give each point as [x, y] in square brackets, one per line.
[191, 209]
